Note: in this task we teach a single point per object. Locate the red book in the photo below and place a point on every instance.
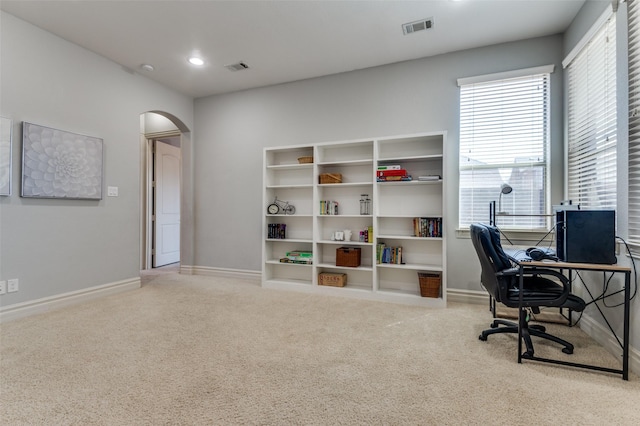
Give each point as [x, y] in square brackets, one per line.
[383, 173]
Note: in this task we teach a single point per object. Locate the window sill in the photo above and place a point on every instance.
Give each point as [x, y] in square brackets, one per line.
[528, 237]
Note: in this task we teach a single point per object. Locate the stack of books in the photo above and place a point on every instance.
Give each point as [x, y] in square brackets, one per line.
[390, 173]
[298, 256]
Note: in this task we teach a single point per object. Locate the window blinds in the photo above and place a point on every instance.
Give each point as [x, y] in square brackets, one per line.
[591, 108]
[504, 137]
[634, 121]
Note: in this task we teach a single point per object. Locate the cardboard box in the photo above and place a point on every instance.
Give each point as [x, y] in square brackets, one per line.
[331, 279]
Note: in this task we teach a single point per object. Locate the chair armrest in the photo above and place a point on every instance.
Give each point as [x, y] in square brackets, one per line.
[547, 292]
[531, 271]
[508, 272]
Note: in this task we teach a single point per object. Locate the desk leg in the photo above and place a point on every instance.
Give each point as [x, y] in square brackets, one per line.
[625, 346]
[521, 315]
[570, 290]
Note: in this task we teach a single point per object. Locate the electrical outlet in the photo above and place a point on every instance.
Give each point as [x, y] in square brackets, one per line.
[3, 287]
[12, 285]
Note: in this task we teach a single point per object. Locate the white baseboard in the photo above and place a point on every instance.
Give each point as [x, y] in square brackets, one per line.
[46, 304]
[474, 297]
[221, 272]
[603, 336]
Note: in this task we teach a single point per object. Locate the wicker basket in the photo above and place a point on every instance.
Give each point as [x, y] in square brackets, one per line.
[305, 160]
[330, 178]
[429, 284]
[348, 256]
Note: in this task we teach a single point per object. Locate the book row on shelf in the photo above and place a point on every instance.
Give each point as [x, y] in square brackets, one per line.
[277, 231]
[387, 254]
[328, 207]
[427, 227]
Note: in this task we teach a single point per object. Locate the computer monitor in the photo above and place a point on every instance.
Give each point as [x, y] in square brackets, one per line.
[586, 236]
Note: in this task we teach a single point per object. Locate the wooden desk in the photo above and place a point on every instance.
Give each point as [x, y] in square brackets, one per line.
[570, 267]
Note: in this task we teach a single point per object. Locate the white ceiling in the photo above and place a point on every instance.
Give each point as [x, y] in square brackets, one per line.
[283, 41]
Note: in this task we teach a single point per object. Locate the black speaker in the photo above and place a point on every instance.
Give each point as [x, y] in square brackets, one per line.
[586, 236]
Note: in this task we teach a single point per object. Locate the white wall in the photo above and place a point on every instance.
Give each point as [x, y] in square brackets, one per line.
[58, 246]
[409, 97]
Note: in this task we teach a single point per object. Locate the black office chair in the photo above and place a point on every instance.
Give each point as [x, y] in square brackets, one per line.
[501, 278]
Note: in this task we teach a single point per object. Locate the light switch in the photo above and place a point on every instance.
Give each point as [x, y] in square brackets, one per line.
[112, 191]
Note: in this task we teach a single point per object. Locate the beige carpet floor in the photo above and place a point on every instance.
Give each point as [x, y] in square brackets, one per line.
[190, 350]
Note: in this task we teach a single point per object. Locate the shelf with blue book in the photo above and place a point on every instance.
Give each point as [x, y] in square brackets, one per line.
[410, 206]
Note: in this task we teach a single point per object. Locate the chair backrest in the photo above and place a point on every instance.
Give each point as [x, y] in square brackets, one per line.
[486, 241]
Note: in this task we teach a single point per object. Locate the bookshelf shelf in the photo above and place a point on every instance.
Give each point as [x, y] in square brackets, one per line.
[411, 183]
[345, 268]
[289, 240]
[394, 206]
[348, 163]
[289, 215]
[412, 266]
[407, 237]
[345, 243]
[342, 185]
[289, 186]
[277, 262]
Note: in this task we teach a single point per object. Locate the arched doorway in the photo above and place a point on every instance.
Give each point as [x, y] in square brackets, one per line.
[166, 225]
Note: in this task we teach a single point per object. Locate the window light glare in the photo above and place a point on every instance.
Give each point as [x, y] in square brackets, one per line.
[194, 60]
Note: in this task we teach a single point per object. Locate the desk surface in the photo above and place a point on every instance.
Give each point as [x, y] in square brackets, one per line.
[567, 265]
[570, 265]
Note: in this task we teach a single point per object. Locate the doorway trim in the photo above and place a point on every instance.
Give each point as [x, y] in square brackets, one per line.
[148, 140]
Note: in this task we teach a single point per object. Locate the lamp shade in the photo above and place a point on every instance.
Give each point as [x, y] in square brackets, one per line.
[506, 189]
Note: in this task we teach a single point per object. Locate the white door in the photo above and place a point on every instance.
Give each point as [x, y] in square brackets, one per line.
[166, 233]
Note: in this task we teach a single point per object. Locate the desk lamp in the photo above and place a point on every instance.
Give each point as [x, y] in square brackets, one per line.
[504, 189]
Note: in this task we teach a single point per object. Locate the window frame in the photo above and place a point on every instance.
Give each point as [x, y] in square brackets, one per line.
[495, 78]
[584, 128]
[633, 55]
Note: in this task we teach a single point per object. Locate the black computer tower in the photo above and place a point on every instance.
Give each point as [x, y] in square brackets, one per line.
[586, 236]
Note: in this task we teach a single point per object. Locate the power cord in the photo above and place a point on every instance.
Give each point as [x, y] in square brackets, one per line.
[605, 288]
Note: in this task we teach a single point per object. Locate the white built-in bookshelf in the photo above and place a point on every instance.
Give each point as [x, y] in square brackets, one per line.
[394, 207]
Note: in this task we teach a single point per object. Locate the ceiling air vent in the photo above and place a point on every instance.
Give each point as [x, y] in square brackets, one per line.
[412, 27]
[237, 67]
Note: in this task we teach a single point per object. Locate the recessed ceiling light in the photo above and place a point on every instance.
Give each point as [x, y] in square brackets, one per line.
[147, 67]
[194, 60]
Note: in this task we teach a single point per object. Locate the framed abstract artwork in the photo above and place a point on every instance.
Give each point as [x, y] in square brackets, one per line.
[6, 125]
[60, 164]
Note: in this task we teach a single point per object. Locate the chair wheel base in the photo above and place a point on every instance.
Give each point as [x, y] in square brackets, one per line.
[567, 350]
[482, 337]
[538, 327]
